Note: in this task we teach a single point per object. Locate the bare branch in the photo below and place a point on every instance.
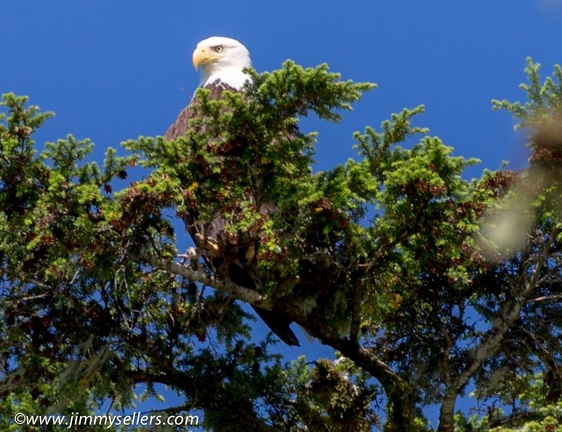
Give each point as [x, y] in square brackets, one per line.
[545, 298]
[247, 295]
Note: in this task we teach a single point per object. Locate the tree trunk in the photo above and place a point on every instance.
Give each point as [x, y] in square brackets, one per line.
[447, 413]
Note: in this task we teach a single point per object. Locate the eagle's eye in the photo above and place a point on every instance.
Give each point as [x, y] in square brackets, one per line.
[218, 48]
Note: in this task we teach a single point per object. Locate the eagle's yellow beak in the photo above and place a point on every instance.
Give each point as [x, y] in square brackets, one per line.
[202, 56]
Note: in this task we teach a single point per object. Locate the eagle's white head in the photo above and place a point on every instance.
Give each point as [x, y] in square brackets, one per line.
[222, 59]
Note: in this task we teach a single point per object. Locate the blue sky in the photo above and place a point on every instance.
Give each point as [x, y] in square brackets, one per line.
[114, 70]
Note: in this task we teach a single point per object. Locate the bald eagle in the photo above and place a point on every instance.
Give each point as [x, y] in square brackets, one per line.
[222, 61]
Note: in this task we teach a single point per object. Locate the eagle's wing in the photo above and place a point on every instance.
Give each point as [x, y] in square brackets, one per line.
[236, 263]
[179, 127]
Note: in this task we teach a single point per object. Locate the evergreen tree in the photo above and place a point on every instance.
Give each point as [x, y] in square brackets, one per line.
[421, 281]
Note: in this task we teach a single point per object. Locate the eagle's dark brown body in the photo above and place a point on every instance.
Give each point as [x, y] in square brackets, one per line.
[236, 262]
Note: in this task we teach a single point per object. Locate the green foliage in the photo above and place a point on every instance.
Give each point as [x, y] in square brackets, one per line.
[392, 259]
[244, 152]
[530, 413]
[544, 99]
[333, 395]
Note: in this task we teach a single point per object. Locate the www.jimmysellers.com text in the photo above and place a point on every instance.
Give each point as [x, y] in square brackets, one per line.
[76, 420]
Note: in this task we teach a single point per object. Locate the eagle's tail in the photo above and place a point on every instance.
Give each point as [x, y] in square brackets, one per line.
[279, 324]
